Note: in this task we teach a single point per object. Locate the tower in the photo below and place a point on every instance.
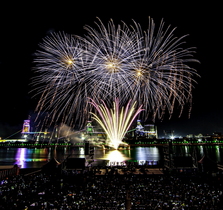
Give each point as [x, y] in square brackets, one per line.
[89, 128]
[26, 127]
[139, 128]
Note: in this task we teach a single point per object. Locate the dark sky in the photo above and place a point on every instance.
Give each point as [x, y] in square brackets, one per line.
[23, 26]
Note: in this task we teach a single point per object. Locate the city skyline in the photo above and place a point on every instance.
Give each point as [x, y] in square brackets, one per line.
[25, 26]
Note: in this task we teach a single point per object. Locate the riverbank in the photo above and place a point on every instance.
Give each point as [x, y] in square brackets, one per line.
[138, 144]
[175, 144]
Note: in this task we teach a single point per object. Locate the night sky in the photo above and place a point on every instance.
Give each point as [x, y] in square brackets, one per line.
[23, 26]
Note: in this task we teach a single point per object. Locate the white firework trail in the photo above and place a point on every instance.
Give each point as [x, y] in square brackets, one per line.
[113, 61]
[117, 121]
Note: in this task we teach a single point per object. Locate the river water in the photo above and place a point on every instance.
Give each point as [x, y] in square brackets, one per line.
[37, 157]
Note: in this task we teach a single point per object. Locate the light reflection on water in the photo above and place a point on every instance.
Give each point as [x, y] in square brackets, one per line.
[114, 155]
[26, 156]
[37, 157]
[218, 154]
[147, 153]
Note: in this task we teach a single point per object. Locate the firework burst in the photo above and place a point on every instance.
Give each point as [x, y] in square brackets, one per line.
[61, 71]
[116, 121]
[125, 62]
[161, 70]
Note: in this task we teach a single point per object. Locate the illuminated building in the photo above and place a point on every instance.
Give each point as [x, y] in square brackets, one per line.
[150, 131]
[89, 128]
[139, 129]
[27, 134]
[26, 126]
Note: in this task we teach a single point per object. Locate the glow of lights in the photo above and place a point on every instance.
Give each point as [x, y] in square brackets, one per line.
[69, 62]
[147, 153]
[115, 122]
[81, 149]
[139, 72]
[20, 157]
[218, 154]
[172, 137]
[112, 66]
[115, 156]
[186, 149]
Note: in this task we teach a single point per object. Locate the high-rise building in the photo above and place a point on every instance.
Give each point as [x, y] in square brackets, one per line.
[151, 131]
[139, 129]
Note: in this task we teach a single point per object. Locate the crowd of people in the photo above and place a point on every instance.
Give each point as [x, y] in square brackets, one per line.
[87, 189]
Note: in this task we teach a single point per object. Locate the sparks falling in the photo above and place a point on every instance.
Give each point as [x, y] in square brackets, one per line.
[110, 61]
[115, 122]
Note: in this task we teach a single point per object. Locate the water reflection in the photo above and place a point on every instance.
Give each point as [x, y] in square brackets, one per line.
[115, 156]
[147, 153]
[218, 154]
[24, 156]
[213, 152]
[37, 157]
[112, 157]
[20, 157]
[81, 149]
[201, 150]
[186, 148]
